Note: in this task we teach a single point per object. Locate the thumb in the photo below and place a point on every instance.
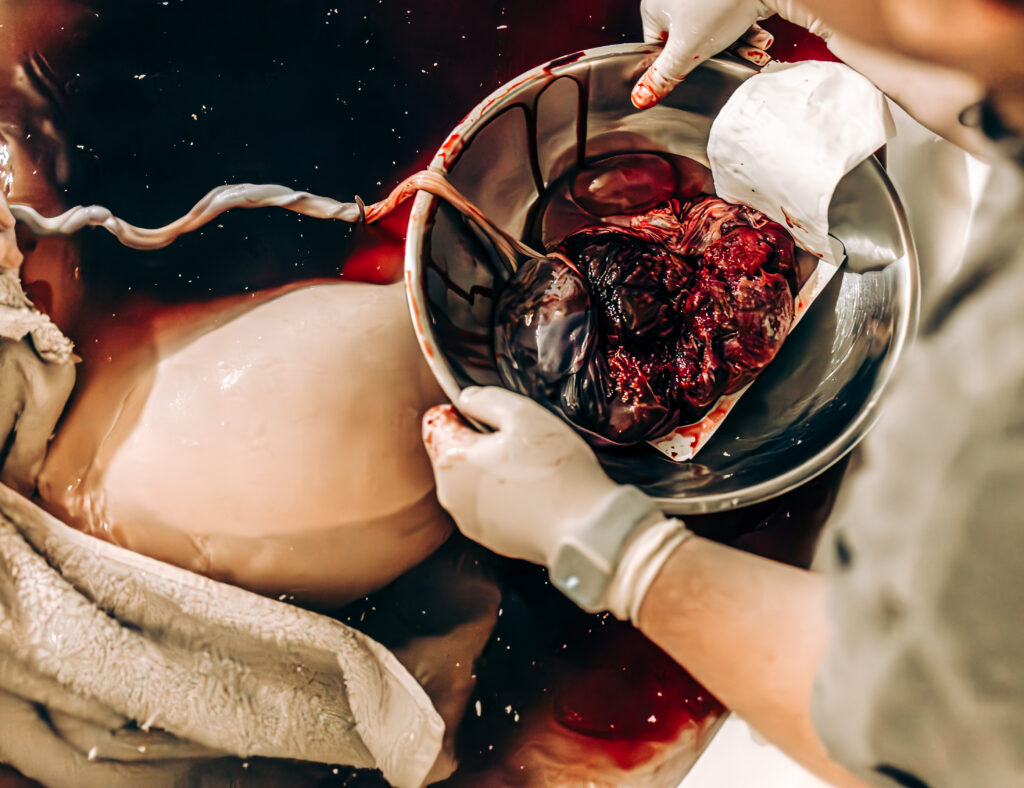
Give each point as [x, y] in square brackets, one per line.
[446, 435]
[667, 71]
[496, 407]
[706, 28]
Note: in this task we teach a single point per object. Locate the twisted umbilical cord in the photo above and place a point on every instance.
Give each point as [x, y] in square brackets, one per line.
[249, 195]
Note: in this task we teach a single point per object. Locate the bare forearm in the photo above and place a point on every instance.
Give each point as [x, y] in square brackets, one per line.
[753, 632]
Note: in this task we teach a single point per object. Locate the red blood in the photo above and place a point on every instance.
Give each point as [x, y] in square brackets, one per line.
[624, 184]
[562, 61]
[693, 300]
[793, 43]
[41, 294]
[624, 690]
[378, 257]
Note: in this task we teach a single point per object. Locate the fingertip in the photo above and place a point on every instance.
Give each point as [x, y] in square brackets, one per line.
[473, 400]
[642, 96]
[475, 403]
[436, 415]
[439, 425]
[486, 396]
[661, 78]
[753, 55]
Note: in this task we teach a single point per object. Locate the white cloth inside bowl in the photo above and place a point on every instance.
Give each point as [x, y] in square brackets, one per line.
[788, 135]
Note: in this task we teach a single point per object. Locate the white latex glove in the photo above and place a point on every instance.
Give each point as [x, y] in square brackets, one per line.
[534, 490]
[694, 30]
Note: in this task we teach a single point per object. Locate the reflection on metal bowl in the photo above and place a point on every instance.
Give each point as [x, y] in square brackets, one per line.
[812, 404]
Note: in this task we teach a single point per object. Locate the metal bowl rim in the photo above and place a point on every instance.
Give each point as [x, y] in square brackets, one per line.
[696, 503]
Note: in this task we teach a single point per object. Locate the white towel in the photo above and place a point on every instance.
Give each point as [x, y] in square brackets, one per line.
[101, 635]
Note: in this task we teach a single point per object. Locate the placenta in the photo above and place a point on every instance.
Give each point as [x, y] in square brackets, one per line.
[641, 321]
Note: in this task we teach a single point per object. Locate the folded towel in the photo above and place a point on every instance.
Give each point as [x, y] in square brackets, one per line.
[100, 635]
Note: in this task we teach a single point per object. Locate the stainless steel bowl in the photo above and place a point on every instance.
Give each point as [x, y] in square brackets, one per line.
[812, 404]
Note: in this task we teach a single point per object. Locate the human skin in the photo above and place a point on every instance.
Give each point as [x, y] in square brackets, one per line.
[168, 434]
[752, 631]
[717, 610]
[269, 445]
[979, 37]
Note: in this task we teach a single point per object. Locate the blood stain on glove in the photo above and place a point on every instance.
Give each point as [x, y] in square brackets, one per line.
[444, 428]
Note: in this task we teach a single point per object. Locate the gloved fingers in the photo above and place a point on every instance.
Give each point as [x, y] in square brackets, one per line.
[690, 42]
[757, 37]
[753, 45]
[447, 436]
[751, 54]
[500, 408]
[667, 71]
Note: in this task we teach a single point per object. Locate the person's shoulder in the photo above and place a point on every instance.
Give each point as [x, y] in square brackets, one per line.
[947, 453]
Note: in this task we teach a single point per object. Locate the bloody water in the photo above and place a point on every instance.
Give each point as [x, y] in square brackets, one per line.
[154, 102]
[609, 190]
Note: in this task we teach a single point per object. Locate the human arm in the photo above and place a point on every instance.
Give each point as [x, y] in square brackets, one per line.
[751, 630]
[933, 95]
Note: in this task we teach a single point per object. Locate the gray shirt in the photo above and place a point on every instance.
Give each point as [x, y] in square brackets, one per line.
[923, 681]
